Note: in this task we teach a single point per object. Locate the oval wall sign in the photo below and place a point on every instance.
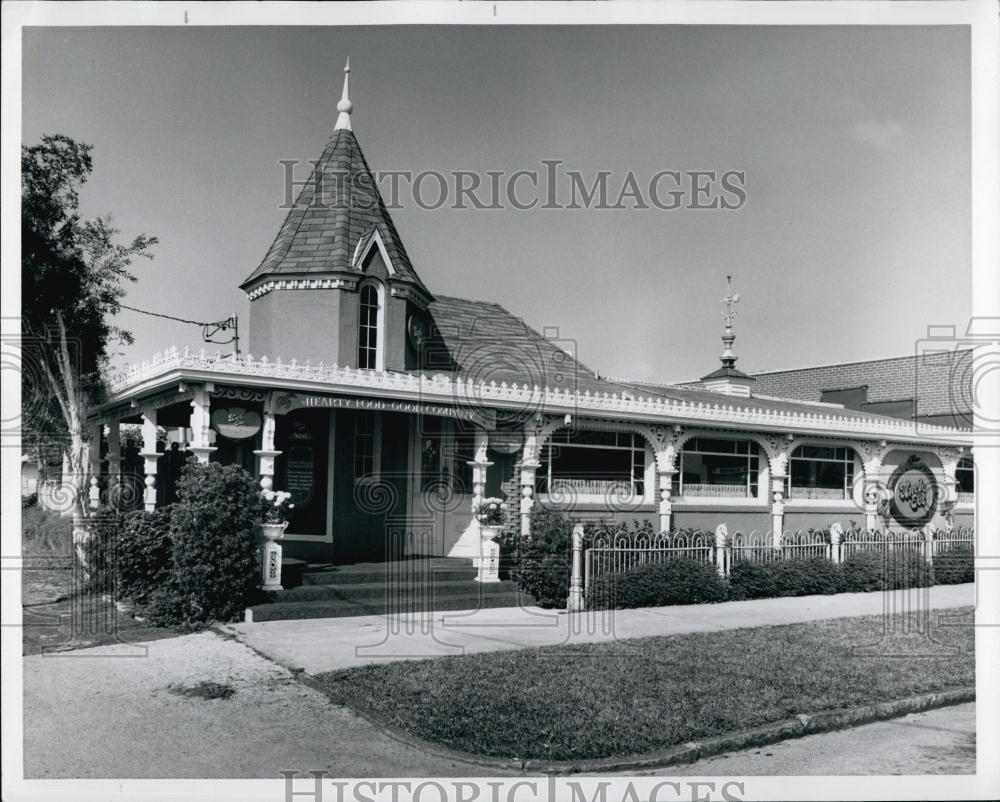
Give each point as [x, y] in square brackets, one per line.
[506, 441]
[236, 423]
[914, 493]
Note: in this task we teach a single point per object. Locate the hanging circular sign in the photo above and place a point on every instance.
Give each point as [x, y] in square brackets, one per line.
[236, 423]
[914, 493]
[506, 441]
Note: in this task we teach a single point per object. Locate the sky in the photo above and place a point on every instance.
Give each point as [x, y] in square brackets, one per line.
[854, 141]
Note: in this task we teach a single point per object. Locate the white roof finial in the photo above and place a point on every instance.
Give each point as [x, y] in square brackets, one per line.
[345, 107]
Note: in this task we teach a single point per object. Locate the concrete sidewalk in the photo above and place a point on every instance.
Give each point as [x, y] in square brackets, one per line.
[325, 644]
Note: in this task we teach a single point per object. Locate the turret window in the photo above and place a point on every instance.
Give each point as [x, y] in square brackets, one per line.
[370, 326]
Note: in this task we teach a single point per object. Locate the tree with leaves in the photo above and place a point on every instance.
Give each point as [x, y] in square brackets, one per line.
[73, 273]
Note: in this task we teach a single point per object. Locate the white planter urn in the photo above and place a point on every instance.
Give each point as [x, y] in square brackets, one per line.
[270, 555]
[489, 553]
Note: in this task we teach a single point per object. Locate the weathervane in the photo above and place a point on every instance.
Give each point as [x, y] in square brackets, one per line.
[728, 302]
[728, 356]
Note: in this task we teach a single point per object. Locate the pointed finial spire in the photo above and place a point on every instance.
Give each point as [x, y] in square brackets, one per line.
[731, 298]
[345, 107]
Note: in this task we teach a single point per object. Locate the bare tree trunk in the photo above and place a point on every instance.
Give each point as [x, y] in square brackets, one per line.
[72, 403]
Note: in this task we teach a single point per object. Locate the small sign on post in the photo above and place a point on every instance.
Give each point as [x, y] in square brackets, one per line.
[575, 602]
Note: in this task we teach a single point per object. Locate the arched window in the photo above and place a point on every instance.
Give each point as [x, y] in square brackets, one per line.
[370, 326]
[965, 475]
[821, 472]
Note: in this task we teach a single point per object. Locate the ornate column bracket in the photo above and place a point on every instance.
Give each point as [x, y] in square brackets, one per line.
[201, 422]
[149, 455]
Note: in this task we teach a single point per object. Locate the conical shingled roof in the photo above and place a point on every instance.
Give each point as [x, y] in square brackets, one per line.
[339, 206]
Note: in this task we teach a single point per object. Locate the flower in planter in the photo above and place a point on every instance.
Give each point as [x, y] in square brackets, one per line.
[490, 512]
[276, 505]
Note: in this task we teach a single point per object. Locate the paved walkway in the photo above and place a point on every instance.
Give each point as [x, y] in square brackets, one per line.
[114, 711]
[325, 644]
[941, 741]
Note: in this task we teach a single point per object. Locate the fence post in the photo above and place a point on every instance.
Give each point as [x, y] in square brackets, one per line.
[929, 543]
[575, 601]
[721, 535]
[835, 533]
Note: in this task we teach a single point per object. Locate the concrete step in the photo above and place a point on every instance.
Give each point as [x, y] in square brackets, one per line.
[343, 608]
[392, 572]
[428, 590]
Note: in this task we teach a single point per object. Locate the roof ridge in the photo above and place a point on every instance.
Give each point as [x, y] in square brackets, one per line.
[853, 362]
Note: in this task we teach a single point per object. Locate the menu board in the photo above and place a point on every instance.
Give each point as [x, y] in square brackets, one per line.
[300, 466]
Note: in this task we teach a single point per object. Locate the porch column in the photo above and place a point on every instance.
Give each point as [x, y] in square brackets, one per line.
[872, 455]
[201, 422]
[266, 453]
[114, 461]
[779, 480]
[528, 470]
[94, 457]
[665, 481]
[479, 465]
[949, 464]
[149, 455]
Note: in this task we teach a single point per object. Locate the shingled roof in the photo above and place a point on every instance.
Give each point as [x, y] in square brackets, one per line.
[338, 207]
[485, 342]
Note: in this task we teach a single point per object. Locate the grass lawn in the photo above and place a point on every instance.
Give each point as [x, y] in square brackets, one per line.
[632, 696]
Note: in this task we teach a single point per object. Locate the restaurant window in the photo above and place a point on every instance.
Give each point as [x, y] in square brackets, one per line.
[965, 475]
[821, 472]
[718, 468]
[463, 452]
[593, 463]
[365, 445]
[369, 322]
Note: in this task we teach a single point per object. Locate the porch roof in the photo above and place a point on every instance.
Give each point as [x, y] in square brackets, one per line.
[588, 396]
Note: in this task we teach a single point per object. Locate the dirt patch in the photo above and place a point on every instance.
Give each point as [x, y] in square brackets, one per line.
[203, 690]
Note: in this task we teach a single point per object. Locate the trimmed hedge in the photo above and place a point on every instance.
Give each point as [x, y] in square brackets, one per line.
[868, 571]
[803, 577]
[675, 581]
[953, 565]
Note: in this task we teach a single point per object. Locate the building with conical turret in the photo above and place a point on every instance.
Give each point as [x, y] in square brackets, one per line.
[391, 411]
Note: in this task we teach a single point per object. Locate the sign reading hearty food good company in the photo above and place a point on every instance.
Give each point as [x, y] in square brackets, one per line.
[482, 417]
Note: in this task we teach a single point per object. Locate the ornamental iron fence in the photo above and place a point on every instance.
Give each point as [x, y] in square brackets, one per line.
[613, 552]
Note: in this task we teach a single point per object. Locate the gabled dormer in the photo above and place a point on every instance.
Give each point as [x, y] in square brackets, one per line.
[337, 285]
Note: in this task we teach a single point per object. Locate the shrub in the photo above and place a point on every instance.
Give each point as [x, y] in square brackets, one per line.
[144, 554]
[802, 577]
[29, 500]
[868, 571]
[213, 548]
[953, 564]
[676, 581]
[541, 564]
